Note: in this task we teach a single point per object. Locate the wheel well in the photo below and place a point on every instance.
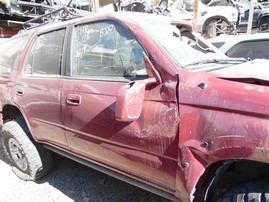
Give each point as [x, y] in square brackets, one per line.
[221, 175]
[263, 20]
[206, 23]
[10, 112]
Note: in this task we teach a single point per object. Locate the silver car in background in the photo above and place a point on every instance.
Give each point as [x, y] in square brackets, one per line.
[252, 46]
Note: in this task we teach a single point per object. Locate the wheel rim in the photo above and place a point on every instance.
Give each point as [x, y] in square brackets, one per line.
[17, 154]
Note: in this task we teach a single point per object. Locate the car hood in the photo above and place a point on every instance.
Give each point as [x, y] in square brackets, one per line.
[255, 71]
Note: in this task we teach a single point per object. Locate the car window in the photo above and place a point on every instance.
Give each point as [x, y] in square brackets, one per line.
[9, 51]
[46, 54]
[250, 50]
[106, 49]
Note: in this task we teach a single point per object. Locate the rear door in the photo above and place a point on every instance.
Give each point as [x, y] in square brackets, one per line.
[105, 57]
[38, 87]
[9, 54]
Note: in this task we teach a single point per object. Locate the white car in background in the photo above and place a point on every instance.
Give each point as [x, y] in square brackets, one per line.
[216, 20]
[250, 46]
[212, 20]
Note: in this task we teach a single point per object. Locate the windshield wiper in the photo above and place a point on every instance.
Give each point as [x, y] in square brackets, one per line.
[218, 61]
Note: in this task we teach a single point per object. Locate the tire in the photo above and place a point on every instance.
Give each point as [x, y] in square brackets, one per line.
[29, 160]
[263, 27]
[257, 191]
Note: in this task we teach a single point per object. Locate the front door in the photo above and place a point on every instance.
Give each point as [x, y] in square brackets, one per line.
[105, 57]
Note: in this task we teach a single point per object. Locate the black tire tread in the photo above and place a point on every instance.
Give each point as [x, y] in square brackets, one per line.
[40, 160]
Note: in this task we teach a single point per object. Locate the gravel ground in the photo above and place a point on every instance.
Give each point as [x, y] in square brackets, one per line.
[69, 181]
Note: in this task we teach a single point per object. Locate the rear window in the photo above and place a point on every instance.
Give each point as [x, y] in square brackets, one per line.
[9, 51]
[250, 50]
[45, 57]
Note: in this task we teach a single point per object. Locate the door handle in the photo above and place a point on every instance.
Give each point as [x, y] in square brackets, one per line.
[20, 92]
[73, 99]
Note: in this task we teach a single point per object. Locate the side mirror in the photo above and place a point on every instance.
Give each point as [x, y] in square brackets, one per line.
[130, 99]
[129, 102]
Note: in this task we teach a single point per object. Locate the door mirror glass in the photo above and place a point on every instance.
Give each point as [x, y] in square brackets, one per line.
[129, 102]
[130, 99]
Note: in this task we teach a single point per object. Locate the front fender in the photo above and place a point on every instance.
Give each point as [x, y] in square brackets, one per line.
[211, 136]
[220, 120]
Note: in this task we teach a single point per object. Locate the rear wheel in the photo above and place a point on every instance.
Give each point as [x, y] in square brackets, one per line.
[29, 159]
[257, 191]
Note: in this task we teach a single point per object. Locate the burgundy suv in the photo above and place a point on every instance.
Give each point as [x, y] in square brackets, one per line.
[124, 93]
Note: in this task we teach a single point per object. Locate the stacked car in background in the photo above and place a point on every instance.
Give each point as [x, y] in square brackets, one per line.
[214, 17]
[13, 13]
[260, 15]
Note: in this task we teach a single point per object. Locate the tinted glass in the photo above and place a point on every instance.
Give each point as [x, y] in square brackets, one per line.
[9, 51]
[46, 54]
[106, 49]
[250, 50]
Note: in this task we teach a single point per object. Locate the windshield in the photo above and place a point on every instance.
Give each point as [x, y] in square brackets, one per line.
[169, 38]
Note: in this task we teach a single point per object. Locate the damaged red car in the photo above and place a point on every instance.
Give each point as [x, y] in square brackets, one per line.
[126, 94]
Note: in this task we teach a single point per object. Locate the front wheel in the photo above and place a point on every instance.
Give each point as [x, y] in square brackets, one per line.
[256, 191]
[29, 159]
[218, 26]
